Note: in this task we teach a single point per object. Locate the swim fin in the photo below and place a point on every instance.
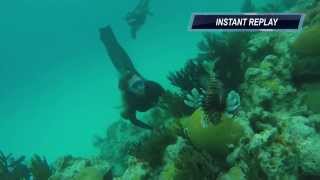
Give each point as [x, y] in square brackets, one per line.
[120, 59]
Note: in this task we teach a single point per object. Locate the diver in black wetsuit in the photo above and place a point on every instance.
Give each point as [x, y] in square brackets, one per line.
[138, 93]
[137, 17]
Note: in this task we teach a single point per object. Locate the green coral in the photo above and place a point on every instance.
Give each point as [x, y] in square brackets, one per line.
[215, 139]
[312, 96]
[308, 42]
[235, 173]
[306, 70]
[168, 172]
[272, 84]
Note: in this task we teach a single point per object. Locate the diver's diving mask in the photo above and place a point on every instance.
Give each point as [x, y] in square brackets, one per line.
[136, 85]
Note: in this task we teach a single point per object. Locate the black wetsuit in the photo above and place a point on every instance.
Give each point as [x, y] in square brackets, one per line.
[123, 64]
[137, 17]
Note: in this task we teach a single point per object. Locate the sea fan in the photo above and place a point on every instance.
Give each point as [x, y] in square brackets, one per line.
[12, 168]
[189, 77]
[225, 50]
[211, 47]
[40, 168]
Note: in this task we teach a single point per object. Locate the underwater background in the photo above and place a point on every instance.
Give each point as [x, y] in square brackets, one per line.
[60, 103]
[59, 87]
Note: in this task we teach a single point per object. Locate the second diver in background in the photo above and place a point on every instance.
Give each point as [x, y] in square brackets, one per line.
[138, 93]
[137, 17]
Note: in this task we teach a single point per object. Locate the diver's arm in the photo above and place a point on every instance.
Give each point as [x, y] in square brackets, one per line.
[139, 123]
[117, 54]
[131, 115]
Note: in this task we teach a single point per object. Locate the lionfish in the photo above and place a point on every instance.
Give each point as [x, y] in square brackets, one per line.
[214, 103]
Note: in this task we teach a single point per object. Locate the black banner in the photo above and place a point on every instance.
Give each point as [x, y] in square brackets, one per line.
[247, 22]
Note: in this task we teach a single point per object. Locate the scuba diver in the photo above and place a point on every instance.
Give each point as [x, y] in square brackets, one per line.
[137, 17]
[138, 94]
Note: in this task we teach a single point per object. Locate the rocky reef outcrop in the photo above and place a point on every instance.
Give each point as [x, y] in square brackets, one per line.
[246, 107]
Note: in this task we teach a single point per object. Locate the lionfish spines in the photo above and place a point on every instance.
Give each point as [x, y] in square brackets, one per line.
[214, 103]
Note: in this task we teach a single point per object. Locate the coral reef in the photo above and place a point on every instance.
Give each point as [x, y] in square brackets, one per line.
[269, 82]
[306, 66]
[283, 5]
[273, 135]
[136, 170]
[232, 102]
[39, 168]
[12, 168]
[217, 139]
[217, 48]
[306, 70]
[175, 104]
[312, 96]
[211, 47]
[190, 77]
[308, 42]
[214, 104]
[213, 56]
[309, 155]
[289, 3]
[311, 10]
[235, 173]
[203, 131]
[145, 149]
[71, 168]
[114, 147]
[195, 98]
[276, 114]
[184, 162]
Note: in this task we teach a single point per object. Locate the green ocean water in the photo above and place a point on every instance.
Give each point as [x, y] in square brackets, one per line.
[58, 86]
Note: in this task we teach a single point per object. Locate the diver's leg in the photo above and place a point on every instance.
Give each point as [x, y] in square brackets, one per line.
[117, 54]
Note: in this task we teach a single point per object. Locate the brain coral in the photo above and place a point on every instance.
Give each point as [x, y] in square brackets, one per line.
[214, 138]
